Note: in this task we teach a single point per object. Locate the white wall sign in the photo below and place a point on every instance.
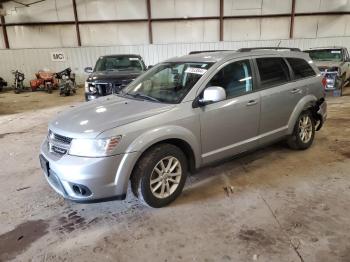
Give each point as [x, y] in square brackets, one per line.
[58, 56]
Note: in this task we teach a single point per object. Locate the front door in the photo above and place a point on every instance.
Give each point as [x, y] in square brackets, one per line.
[231, 126]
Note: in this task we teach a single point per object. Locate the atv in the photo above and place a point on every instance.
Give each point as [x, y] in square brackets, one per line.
[45, 80]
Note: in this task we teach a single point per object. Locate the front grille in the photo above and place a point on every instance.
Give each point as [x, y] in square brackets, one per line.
[58, 144]
[63, 139]
[323, 68]
[104, 89]
[331, 79]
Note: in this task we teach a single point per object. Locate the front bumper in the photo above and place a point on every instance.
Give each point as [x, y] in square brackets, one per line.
[100, 178]
[89, 96]
[332, 80]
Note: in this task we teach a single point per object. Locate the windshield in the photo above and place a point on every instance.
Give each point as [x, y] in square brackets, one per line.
[167, 82]
[119, 63]
[326, 55]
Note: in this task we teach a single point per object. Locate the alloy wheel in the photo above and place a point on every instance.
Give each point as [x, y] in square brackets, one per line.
[165, 177]
[305, 129]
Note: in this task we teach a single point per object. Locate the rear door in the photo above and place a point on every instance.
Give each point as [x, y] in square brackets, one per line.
[279, 96]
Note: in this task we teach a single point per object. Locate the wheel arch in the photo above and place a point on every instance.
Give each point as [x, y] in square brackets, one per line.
[175, 135]
[181, 144]
[306, 103]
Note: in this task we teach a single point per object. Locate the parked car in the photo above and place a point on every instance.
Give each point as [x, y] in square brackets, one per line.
[2, 83]
[111, 74]
[334, 64]
[182, 114]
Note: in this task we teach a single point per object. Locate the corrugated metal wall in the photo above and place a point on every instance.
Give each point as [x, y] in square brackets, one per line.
[31, 60]
[136, 33]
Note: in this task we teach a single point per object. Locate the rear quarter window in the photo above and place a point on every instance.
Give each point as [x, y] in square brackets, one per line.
[301, 68]
[273, 71]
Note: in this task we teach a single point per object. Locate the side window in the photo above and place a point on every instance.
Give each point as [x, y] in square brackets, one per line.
[273, 71]
[235, 78]
[301, 68]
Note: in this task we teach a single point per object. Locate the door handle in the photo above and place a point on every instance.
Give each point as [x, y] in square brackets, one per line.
[295, 90]
[252, 102]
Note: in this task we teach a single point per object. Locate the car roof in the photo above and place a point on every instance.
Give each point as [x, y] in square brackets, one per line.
[213, 57]
[121, 55]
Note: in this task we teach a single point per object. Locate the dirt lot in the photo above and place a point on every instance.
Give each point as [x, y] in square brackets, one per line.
[272, 205]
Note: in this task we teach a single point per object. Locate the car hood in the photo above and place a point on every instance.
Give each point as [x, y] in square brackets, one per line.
[92, 118]
[113, 75]
[327, 64]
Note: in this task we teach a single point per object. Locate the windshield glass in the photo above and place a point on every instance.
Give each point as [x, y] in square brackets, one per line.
[167, 82]
[326, 55]
[119, 63]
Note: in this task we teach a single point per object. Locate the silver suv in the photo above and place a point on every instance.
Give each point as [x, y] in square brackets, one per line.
[182, 114]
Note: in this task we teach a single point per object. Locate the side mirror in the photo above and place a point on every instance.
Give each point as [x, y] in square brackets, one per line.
[212, 94]
[88, 70]
[149, 67]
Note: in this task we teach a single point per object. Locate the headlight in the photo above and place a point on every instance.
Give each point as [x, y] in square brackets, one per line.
[92, 89]
[94, 147]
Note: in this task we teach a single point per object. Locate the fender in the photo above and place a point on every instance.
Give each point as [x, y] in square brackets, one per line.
[153, 136]
[304, 103]
[148, 139]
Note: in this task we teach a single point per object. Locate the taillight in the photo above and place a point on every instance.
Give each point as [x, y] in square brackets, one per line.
[324, 82]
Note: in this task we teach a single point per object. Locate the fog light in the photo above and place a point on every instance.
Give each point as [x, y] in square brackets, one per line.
[81, 190]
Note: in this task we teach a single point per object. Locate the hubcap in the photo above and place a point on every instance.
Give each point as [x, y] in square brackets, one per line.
[305, 129]
[165, 177]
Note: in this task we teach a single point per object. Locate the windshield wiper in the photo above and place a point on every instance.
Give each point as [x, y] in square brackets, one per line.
[143, 96]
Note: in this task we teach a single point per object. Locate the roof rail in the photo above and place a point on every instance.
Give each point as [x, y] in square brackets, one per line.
[206, 51]
[249, 49]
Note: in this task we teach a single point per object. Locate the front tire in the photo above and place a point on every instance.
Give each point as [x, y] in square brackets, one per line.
[49, 88]
[342, 85]
[303, 133]
[160, 175]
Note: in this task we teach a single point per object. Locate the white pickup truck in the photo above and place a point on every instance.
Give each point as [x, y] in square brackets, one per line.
[334, 64]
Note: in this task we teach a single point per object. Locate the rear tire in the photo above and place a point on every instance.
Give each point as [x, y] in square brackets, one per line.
[49, 89]
[160, 175]
[303, 132]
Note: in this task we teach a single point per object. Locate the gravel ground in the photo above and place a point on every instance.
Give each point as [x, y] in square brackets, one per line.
[274, 204]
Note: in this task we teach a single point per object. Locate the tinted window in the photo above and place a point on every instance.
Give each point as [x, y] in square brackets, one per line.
[235, 78]
[301, 68]
[273, 71]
